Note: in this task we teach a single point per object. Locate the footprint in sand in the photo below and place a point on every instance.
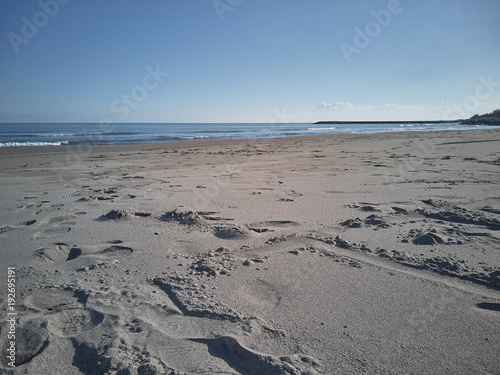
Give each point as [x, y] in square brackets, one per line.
[66, 308]
[110, 252]
[114, 251]
[232, 350]
[60, 225]
[61, 252]
[56, 219]
[31, 340]
[264, 226]
[73, 195]
[33, 205]
[28, 197]
[489, 306]
[8, 228]
[58, 252]
[43, 234]
[263, 294]
[68, 323]
[292, 193]
[51, 208]
[55, 299]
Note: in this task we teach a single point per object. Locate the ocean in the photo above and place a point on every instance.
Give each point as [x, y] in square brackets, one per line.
[84, 134]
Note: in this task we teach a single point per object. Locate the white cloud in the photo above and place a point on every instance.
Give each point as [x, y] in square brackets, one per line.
[332, 106]
[344, 106]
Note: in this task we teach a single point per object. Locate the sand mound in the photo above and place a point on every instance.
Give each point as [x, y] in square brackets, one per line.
[114, 215]
[234, 233]
[428, 238]
[186, 217]
[372, 220]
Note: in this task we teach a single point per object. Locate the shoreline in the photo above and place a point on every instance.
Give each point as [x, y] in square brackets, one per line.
[96, 148]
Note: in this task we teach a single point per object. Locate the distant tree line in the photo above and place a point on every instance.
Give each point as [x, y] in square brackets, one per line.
[492, 118]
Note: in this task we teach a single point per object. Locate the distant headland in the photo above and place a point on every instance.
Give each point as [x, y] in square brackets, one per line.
[492, 118]
[385, 122]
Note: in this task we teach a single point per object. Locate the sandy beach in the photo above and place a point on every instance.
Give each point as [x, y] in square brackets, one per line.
[335, 254]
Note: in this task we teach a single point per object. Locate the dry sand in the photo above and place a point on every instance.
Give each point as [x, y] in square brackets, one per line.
[347, 254]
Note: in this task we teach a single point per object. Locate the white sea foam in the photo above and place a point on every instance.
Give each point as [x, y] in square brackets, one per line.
[64, 134]
[321, 129]
[195, 137]
[20, 144]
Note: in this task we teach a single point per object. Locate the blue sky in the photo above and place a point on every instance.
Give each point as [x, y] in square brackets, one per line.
[247, 60]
